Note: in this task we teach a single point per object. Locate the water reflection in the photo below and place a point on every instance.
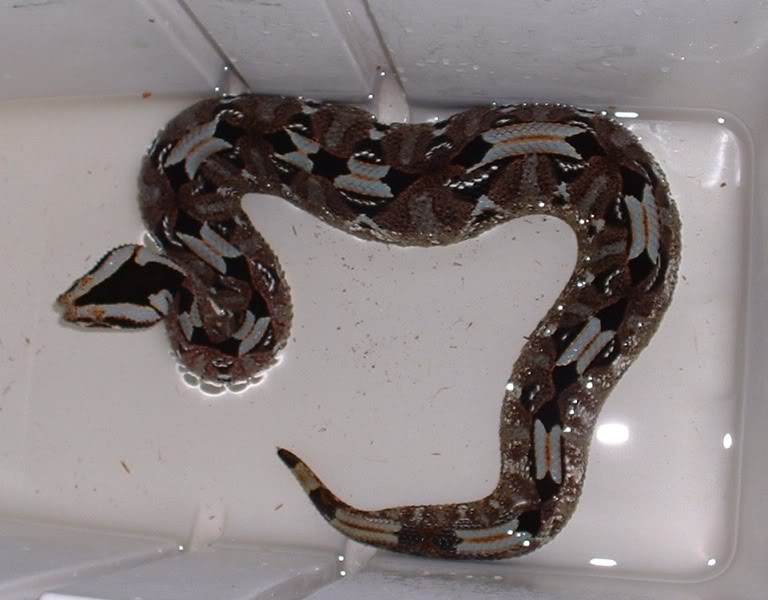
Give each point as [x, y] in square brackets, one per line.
[612, 434]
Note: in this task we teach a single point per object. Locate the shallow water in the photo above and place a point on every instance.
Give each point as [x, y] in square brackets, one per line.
[391, 384]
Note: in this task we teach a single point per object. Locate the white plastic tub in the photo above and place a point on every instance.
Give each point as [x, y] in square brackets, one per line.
[118, 481]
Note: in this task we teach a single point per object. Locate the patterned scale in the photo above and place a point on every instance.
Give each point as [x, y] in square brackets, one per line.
[226, 304]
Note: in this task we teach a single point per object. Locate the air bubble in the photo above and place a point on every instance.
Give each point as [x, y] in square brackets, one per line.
[191, 380]
[212, 389]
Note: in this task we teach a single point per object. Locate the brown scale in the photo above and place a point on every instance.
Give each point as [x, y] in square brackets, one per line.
[415, 140]
[628, 298]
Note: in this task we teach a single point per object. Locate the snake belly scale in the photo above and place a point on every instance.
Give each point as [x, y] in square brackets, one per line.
[225, 302]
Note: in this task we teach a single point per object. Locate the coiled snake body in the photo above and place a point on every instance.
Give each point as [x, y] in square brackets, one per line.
[226, 304]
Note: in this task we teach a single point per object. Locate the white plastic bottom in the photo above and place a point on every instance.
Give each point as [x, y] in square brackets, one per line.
[391, 384]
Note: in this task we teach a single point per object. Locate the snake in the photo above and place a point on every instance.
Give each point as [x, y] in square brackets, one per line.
[212, 278]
